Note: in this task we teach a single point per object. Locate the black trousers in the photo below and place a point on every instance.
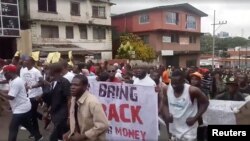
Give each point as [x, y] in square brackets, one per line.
[25, 120]
[35, 114]
[60, 128]
[202, 133]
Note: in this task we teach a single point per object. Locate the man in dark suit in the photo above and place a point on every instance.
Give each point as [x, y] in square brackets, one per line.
[57, 100]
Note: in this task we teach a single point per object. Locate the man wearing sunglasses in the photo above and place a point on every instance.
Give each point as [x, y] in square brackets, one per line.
[112, 72]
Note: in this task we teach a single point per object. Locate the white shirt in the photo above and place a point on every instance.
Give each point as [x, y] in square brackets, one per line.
[3, 86]
[21, 103]
[182, 108]
[69, 76]
[118, 75]
[22, 70]
[147, 81]
[31, 78]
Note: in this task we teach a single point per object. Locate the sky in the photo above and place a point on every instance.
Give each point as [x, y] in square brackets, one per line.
[235, 12]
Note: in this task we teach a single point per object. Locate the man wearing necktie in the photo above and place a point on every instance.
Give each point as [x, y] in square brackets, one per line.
[87, 118]
[57, 100]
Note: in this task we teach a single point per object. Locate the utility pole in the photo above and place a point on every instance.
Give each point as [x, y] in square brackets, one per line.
[213, 41]
[214, 24]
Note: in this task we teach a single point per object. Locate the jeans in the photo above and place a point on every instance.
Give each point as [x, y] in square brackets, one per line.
[24, 120]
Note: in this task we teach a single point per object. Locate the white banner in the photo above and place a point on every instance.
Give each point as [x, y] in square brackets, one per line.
[131, 110]
[220, 112]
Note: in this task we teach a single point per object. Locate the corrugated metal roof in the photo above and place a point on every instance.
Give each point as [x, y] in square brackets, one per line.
[184, 6]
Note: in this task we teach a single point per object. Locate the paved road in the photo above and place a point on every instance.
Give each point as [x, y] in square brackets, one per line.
[5, 118]
[22, 135]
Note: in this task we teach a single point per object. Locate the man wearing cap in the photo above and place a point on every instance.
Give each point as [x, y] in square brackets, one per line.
[196, 80]
[244, 87]
[20, 104]
[232, 91]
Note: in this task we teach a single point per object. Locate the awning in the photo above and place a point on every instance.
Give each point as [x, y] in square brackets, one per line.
[62, 48]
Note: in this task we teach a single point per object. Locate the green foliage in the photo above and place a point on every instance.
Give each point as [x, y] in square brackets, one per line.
[221, 43]
[133, 43]
[206, 43]
[225, 43]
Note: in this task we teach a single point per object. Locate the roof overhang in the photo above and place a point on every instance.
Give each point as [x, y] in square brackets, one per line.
[184, 6]
[62, 48]
[90, 22]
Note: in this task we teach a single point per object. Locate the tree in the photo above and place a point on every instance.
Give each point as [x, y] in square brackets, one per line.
[231, 42]
[221, 43]
[131, 43]
[206, 43]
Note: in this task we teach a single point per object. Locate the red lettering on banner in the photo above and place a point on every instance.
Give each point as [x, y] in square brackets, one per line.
[130, 133]
[119, 115]
[122, 112]
[137, 135]
[113, 113]
[135, 114]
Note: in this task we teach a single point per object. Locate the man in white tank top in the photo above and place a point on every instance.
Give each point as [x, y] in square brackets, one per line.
[180, 110]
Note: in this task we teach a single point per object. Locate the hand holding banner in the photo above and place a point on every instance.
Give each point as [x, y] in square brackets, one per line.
[131, 110]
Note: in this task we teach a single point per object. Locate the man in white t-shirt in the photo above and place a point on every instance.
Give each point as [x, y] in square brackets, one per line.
[142, 78]
[33, 82]
[66, 73]
[3, 83]
[20, 104]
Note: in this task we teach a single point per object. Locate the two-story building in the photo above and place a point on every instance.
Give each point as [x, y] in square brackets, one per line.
[80, 26]
[173, 31]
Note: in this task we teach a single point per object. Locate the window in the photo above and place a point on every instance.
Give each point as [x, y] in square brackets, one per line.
[49, 31]
[145, 38]
[83, 31]
[69, 32]
[172, 18]
[144, 19]
[98, 12]
[75, 9]
[174, 38]
[99, 33]
[191, 22]
[192, 39]
[47, 5]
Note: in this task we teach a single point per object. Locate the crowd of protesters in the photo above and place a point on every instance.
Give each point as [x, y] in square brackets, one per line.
[62, 92]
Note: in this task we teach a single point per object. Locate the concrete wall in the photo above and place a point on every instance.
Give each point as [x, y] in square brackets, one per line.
[88, 44]
[63, 18]
[157, 20]
[63, 12]
[24, 45]
[155, 40]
